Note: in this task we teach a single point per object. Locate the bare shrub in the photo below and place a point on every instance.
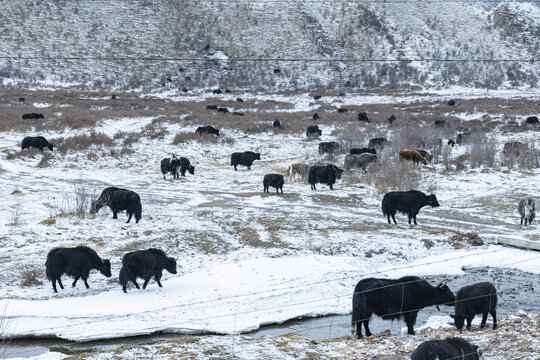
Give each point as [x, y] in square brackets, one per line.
[202, 138]
[83, 197]
[14, 215]
[154, 130]
[481, 151]
[23, 154]
[529, 159]
[82, 142]
[389, 173]
[31, 276]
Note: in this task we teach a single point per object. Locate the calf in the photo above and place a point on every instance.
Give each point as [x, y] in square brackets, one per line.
[328, 147]
[526, 209]
[276, 124]
[313, 131]
[145, 264]
[207, 130]
[171, 166]
[32, 116]
[379, 143]
[119, 200]
[245, 159]
[75, 262]
[408, 202]
[299, 169]
[185, 165]
[38, 142]
[359, 161]
[395, 298]
[324, 174]
[412, 155]
[453, 348]
[274, 180]
[359, 151]
[480, 298]
[363, 116]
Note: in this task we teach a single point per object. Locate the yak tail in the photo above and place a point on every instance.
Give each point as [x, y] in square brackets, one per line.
[48, 267]
[355, 308]
[123, 277]
[384, 206]
[138, 211]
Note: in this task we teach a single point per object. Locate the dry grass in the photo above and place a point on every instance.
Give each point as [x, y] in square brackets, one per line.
[31, 276]
[82, 142]
[181, 138]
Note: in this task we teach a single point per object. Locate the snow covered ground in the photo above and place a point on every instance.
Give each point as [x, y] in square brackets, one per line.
[246, 258]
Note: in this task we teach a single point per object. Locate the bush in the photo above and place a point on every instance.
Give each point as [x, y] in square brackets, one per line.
[31, 276]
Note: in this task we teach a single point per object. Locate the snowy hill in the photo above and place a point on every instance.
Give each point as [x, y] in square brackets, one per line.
[237, 44]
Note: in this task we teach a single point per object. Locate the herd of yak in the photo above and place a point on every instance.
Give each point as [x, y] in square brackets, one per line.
[388, 298]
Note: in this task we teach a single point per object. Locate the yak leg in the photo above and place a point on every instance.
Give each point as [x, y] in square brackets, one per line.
[115, 215]
[124, 288]
[235, 168]
[130, 214]
[484, 318]
[469, 321]
[331, 187]
[415, 219]
[157, 276]
[54, 285]
[366, 326]
[75, 282]
[494, 316]
[85, 279]
[60, 283]
[146, 281]
[394, 218]
[410, 320]
[135, 283]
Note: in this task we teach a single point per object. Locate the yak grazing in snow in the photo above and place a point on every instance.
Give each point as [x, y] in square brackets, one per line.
[408, 202]
[118, 200]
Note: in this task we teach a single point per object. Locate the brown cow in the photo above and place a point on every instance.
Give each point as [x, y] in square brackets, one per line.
[413, 156]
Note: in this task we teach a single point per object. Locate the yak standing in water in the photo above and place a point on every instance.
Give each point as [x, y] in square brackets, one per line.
[76, 262]
[118, 200]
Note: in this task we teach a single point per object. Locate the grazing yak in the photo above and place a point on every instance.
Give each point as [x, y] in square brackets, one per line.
[222, 109]
[359, 161]
[514, 148]
[211, 107]
[217, 92]
[245, 159]
[316, 116]
[451, 103]
[145, 264]
[439, 123]
[412, 155]
[274, 180]
[379, 143]
[32, 116]
[237, 113]
[276, 124]
[408, 202]
[363, 116]
[207, 130]
[328, 147]
[299, 169]
[452, 348]
[395, 298]
[118, 200]
[277, 71]
[38, 142]
[185, 165]
[316, 97]
[342, 110]
[239, 100]
[21, 99]
[75, 262]
[480, 298]
[359, 151]
[391, 119]
[425, 154]
[526, 209]
[532, 120]
[170, 165]
[324, 174]
[313, 131]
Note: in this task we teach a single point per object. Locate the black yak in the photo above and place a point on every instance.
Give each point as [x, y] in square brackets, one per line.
[362, 116]
[75, 262]
[274, 180]
[313, 131]
[358, 151]
[453, 348]
[170, 165]
[324, 174]
[391, 119]
[245, 159]
[184, 165]
[408, 202]
[207, 130]
[395, 298]
[276, 124]
[145, 264]
[480, 298]
[32, 116]
[532, 120]
[38, 142]
[118, 200]
[359, 161]
[526, 209]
